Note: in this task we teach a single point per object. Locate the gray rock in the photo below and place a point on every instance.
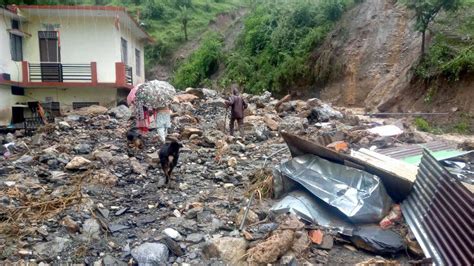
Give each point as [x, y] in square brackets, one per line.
[120, 112]
[25, 159]
[151, 254]
[91, 228]
[204, 217]
[37, 139]
[216, 103]
[110, 260]
[103, 156]
[230, 249]
[83, 148]
[195, 238]
[292, 124]
[52, 248]
[78, 163]
[64, 125]
[10, 137]
[73, 118]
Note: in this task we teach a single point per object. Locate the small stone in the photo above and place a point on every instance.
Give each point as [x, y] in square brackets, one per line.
[232, 162]
[83, 148]
[252, 217]
[64, 125]
[172, 233]
[70, 224]
[78, 163]
[25, 159]
[103, 156]
[91, 228]
[194, 238]
[151, 254]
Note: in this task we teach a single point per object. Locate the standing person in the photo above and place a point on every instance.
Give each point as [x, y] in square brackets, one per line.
[163, 122]
[237, 105]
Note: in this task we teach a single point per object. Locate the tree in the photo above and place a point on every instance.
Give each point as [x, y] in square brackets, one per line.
[184, 18]
[425, 13]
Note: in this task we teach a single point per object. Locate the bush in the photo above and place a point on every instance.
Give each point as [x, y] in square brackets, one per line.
[201, 64]
[273, 51]
[423, 125]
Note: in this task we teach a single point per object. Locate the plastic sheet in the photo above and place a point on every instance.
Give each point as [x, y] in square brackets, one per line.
[357, 194]
[374, 239]
[305, 206]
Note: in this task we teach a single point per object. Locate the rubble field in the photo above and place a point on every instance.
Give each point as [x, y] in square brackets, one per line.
[76, 192]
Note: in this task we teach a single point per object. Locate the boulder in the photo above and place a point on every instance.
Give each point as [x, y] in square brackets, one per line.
[91, 228]
[52, 248]
[150, 254]
[185, 119]
[64, 125]
[231, 250]
[196, 92]
[82, 148]
[251, 109]
[217, 103]
[187, 97]
[103, 156]
[137, 167]
[208, 93]
[187, 132]
[78, 163]
[91, 110]
[271, 124]
[292, 124]
[121, 112]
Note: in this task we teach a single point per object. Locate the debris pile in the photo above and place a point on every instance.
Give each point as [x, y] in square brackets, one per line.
[307, 184]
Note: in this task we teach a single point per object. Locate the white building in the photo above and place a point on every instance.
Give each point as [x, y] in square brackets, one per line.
[66, 57]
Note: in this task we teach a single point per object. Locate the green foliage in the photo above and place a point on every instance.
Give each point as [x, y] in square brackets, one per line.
[451, 54]
[462, 127]
[426, 10]
[423, 125]
[272, 52]
[201, 64]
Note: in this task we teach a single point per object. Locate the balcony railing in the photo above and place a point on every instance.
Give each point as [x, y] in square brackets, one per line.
[58, 72]
[129, 75]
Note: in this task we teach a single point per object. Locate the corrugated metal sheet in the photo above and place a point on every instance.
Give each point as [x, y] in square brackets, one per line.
[405, 151]
[397, 187]
[439, 211]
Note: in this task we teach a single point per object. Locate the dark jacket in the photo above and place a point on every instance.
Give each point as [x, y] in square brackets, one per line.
[237, 104]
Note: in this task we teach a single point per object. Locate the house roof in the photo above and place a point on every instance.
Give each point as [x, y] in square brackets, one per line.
[9, 13]
[92, 11]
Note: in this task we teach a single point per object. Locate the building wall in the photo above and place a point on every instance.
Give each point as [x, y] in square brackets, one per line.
[133, 43]
[82, 40]
[5, 105]
[105, 97]
[6, 64]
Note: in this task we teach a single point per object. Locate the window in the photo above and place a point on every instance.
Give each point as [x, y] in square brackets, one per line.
[124, 51]
[15, 24]
[138, 62]
[18, 90]
[16, 47]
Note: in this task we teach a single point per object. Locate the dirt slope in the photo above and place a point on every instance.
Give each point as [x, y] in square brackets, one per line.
[376, 47]
[227, 24]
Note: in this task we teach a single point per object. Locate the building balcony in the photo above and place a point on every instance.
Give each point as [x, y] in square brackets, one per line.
[45, 74]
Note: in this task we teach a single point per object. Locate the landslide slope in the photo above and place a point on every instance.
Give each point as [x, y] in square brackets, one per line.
[369, 57]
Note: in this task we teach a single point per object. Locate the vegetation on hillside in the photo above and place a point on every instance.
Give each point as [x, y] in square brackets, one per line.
[272, 52]
[451, 53]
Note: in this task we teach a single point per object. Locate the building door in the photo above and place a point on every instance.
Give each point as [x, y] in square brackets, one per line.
[50, 56]
[17, 115]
